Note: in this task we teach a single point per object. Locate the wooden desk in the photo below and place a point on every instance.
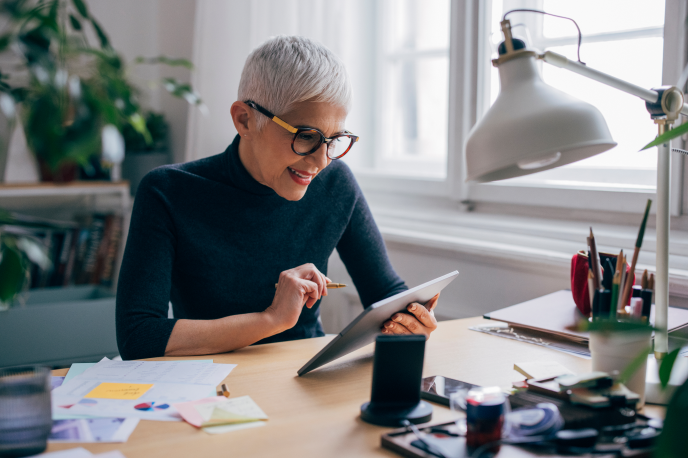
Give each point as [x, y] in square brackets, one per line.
[318, 414]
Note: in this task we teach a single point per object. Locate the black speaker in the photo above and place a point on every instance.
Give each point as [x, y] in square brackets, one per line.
[397, 373]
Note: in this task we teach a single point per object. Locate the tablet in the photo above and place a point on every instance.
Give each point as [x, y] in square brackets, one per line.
[363, 329]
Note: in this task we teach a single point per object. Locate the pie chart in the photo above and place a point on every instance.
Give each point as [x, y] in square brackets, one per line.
[150, 406]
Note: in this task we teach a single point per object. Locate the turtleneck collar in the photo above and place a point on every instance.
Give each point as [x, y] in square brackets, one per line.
[237, 174]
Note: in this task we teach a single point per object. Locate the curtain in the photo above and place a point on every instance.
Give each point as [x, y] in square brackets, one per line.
[227, 30]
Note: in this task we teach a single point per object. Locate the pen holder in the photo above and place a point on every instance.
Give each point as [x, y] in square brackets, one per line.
[579, 279]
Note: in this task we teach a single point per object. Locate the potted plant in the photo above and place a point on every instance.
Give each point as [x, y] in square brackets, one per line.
[141, 155]
[73, 99]
[16, 252]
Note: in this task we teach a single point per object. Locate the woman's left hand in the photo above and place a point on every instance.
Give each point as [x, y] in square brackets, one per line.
[420, 321]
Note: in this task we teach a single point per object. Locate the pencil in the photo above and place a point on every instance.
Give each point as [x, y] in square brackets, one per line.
[225, 390]
[620, 306]
[330, 285]
[638, 244]
[643, 282]
[595, 260]
[616, 282]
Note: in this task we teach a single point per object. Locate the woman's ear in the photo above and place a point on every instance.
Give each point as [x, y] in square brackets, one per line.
[241, 115]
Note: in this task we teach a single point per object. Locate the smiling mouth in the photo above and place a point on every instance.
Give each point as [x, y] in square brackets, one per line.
[301, 174]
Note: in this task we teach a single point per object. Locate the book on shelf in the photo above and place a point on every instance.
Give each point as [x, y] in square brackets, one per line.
[81, 252]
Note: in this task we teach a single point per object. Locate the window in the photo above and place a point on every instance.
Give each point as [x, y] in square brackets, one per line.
[411, 93]
[622, 38]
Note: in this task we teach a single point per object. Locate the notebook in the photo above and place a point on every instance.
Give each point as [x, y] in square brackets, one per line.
[557, 314]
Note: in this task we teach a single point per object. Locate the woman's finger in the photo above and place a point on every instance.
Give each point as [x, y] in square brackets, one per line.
[423, 315]
[432, 303]
[395, 328]
[410, 322]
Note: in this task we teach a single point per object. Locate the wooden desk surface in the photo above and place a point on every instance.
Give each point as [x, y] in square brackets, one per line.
[318, 414]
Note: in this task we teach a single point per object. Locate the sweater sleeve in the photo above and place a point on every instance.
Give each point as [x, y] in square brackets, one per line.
[143, 291]
[363, 252]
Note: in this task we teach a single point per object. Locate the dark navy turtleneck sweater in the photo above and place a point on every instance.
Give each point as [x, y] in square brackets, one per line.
[212, 240]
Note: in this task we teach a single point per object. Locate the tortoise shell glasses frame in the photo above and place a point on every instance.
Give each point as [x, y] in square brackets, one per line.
[308, 140]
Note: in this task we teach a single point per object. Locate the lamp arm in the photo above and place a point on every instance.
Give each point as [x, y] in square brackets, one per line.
[560, 61]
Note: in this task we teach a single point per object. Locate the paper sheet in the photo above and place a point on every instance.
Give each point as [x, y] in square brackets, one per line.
[79, 452]
[227, 428]
[93, 430]
[220, 411]
[199, 379]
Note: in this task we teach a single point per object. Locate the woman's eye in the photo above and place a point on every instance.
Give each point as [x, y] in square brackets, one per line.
[306, 137]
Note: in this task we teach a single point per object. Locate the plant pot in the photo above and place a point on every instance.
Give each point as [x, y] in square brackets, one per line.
[66, 172]
[614, 351]
[137, 164]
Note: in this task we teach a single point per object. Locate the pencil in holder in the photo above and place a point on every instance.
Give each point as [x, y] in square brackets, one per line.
[579, 279]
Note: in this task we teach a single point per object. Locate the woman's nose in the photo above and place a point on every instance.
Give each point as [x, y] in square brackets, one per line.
[319, 157]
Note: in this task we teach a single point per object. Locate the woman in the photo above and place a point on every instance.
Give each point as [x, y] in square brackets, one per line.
[213, 236]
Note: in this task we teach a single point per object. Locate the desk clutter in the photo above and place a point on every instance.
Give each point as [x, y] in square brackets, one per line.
[569, 414]
[103, 402]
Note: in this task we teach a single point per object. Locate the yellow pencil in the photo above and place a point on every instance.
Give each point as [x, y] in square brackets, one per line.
[330, 285]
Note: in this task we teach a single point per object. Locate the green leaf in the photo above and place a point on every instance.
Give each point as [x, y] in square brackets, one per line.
[668, 135]
[181, 90]
[11, 274]
[666, 366]
[633, 367]
[613, 326]
[172, 62]
[81, 8]
[104, 41]
[76, 25]
[5, 41]
[139, 124]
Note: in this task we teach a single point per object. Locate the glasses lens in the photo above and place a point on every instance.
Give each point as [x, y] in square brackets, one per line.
[339, 146]
[306, 141]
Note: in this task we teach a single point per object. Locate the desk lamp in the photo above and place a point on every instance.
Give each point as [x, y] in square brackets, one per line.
[533, 127]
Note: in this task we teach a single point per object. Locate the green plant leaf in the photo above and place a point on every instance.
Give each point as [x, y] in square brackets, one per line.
[602, 325]
[11, 273]
[139, 124]
[5, 41]
[76, 25]
[666, 366]
[81, 8]
[104, 41]
[668, 135]
[633, 367]
[172, 62]
[181, 90]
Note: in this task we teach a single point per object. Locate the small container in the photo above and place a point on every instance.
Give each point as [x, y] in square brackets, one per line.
[25, 411]
[486, 410]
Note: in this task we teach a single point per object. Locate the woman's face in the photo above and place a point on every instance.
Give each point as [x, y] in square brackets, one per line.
[267, 154]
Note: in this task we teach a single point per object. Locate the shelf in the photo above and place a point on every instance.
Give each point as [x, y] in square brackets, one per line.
[74, 188]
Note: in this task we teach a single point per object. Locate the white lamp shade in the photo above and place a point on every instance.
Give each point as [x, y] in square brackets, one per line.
[532, 127]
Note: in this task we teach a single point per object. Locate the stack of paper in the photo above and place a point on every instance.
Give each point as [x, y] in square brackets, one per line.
[220, 414]
[79, 453]
[141, 389]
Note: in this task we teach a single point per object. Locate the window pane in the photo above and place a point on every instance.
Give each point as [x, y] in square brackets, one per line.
[416, 25]
[637, 60]
[417, 108]
[595, 16]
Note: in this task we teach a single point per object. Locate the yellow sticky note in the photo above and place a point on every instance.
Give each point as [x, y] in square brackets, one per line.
[127, 391]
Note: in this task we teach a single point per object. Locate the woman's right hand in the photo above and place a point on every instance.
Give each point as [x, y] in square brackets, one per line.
[303, 285]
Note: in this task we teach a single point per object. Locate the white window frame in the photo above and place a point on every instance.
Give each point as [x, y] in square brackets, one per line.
[468, 38]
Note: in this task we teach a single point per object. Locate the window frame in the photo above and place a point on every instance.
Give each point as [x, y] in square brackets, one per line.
[467, 71]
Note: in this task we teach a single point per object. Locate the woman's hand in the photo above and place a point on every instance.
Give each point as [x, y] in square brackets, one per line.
[303, 285]
[421, 320]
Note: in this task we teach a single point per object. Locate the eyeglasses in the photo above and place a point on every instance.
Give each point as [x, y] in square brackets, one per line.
[307, 140]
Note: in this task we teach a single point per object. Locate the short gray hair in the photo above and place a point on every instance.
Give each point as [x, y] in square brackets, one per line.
[286, 70]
